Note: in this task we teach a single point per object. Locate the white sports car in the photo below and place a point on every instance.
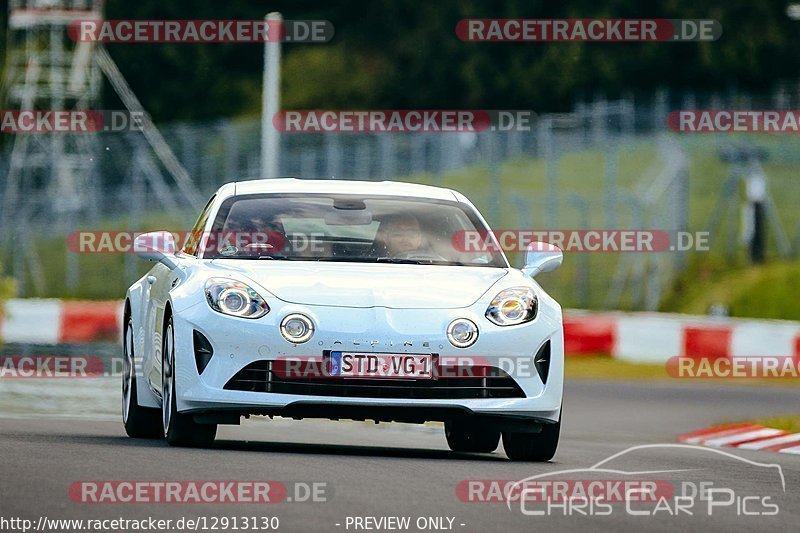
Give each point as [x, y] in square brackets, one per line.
[343, 300]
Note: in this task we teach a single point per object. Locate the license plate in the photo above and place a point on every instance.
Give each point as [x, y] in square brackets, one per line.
[381, 365]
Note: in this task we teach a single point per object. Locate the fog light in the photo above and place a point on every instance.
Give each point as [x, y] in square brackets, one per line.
[462, 333]
[297, 328]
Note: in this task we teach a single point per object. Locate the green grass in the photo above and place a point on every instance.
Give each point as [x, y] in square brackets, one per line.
[789, 423]
[7, 288]
[604, 367]
[763, 291]
[102, 276]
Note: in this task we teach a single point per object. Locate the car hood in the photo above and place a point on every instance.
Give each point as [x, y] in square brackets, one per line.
[366, 285]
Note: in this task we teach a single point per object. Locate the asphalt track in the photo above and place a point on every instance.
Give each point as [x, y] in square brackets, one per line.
[399, 470]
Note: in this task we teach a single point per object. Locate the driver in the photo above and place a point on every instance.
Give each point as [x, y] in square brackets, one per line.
[401, 234]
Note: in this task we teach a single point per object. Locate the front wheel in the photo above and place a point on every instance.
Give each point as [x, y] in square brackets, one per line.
[538, 447]
[140, 422]
[179, 429]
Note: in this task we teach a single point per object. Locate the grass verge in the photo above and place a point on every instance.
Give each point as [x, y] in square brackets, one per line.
[789, 423]
[755, 291]
[603, 367]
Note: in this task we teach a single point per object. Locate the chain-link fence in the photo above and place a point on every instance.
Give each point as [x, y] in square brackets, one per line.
[605, 165]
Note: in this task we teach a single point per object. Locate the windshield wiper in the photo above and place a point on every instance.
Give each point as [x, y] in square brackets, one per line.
[391, 260]
[403, 261]
[254, 257]
[421, 261]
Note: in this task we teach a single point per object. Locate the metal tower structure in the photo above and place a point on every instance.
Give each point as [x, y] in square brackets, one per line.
[50, 176]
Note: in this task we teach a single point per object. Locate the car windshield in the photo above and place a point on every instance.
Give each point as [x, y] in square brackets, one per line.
[346, 228]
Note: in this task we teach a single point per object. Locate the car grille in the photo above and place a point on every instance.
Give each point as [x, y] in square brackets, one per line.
[488, 382]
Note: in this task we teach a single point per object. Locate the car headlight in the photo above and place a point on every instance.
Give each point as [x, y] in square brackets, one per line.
[297, 328]
[462, 333]
[513, 306]
[234, 298]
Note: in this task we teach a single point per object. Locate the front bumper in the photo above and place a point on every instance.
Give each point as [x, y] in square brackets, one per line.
[239, 342]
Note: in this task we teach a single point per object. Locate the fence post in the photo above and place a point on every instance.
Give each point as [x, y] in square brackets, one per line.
[232, 152]
[582, 271]
[137, 197]
[628, 115]
[188, 143]
[333, 151]
[363, 155]
[387, 156]
[270, 103]
[418, 155]
[610, 173]
[599, 117]
[660, 109]
[547, 151]
[308, 164]
[494, 195]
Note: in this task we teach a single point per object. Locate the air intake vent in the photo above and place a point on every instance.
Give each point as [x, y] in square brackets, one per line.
[202, 351]
[542, 361]
[260, 376]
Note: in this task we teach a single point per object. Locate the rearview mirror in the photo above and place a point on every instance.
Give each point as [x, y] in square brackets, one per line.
[156, 246]
[348, 218]
[541, 257]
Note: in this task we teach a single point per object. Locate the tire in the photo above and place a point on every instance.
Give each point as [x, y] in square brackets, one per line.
[463, 437]
[140, 422]
[179, 429]
[537, 447]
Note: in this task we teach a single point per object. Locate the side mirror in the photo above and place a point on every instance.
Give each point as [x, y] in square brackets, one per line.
[156, 246]
[541, 257]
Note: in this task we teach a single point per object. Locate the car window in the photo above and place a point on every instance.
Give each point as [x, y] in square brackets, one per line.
[346, 228]
[194, 238]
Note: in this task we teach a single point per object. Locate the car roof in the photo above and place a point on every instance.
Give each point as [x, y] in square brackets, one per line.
[334, 186]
